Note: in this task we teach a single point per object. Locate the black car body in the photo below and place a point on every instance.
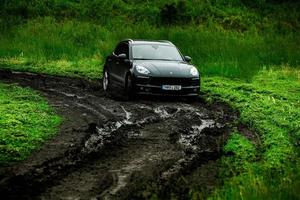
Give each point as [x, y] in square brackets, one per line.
[152, 68]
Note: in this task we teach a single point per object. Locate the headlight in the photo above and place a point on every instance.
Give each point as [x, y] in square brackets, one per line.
[142, 70]
[194, 71]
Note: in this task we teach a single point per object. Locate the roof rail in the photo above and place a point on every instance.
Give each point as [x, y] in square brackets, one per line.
[128, 39]
[167, 41]
[131, 40]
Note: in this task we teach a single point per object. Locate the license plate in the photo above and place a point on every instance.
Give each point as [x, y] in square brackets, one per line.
[171, 87]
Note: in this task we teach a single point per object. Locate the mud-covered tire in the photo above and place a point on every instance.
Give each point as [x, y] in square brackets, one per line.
[106, 82]
[129, 87]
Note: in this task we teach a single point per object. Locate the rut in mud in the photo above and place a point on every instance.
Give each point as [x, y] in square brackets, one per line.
[110, 149]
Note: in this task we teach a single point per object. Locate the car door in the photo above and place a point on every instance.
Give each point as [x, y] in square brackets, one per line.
[120, 65]
[112, 59]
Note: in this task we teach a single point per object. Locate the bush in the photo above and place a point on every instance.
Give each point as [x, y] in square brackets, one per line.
[175, 13]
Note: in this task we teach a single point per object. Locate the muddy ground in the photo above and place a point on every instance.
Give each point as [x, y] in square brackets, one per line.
[112, 149]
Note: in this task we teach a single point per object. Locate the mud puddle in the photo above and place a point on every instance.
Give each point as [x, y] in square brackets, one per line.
[109, 149]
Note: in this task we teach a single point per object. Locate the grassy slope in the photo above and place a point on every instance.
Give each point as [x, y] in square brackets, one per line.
[72, 47]
[26, 122]
[229, 38]
[266, 168]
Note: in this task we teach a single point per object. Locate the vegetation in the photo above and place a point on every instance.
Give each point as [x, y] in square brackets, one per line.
[265, 167]
[229, 38]
[239, 46]
[26, 122]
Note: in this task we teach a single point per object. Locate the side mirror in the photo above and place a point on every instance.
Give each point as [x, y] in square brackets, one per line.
[122, 56]
[187, 58]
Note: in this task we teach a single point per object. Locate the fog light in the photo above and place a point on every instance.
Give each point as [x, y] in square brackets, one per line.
[141, 88]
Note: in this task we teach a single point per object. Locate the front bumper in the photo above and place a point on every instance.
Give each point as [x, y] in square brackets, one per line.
[153, 86]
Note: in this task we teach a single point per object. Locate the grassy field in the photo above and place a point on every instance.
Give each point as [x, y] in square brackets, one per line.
[268, 165]
[26, 122]
[229, 38]
[247, 51]
[79, 48]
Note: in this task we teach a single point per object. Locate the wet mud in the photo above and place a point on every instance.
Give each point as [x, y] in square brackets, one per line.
[112, 149]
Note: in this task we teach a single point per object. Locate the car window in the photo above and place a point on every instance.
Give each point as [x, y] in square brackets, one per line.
[122, 48]
[155, 52]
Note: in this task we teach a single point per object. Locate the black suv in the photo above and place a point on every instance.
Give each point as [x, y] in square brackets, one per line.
[150, 67]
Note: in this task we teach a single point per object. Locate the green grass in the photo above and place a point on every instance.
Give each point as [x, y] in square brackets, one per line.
[79, 48]
[239, 15]
[268, 168]
[87, 68]
[26, 122]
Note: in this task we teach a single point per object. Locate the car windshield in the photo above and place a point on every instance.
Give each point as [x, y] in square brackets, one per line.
[155, 52]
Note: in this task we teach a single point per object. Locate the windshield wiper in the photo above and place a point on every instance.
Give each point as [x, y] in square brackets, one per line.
[155, 59]
[167, 59]
[142, 59]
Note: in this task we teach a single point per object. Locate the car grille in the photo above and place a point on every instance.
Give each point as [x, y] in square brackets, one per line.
[173, 81]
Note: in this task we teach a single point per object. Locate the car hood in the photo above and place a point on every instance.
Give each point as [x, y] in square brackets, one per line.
[164, 68]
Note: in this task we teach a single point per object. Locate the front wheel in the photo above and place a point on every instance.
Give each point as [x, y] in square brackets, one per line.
[106, 82]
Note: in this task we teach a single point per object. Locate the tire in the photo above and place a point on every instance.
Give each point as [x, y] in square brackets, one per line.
[129, 87]
[106, 82]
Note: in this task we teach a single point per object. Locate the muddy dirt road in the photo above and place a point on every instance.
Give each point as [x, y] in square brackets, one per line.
[112, 149]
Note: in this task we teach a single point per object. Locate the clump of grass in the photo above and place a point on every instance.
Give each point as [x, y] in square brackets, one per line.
[26, 122]
[270, 105]
[85, 68]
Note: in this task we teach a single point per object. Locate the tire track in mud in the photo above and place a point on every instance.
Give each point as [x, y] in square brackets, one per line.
[109, 149]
